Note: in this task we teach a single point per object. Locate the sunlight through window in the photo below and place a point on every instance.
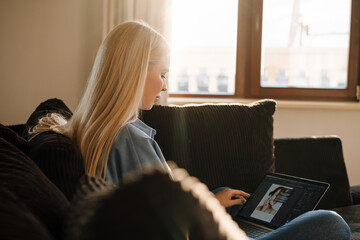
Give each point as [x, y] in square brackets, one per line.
[203, 47]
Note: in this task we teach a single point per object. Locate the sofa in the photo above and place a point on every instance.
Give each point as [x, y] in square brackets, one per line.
[45, 193]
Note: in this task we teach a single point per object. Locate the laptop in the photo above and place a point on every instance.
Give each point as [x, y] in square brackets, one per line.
[278, 199]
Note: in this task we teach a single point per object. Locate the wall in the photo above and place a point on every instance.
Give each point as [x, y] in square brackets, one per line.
[47, 49]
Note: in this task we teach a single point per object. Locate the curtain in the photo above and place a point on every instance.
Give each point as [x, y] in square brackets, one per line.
[155, 12]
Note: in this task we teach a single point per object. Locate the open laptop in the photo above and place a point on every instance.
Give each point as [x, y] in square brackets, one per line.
[278, 199]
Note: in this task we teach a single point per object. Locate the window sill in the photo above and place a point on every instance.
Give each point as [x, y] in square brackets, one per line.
[281, 104]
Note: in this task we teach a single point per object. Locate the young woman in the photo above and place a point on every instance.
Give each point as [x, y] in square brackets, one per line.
[128, 75]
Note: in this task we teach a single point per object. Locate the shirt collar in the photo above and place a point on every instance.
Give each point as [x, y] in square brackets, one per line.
[145, 128]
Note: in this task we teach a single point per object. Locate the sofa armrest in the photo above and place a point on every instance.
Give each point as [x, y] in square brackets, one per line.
[355, 192]
[318, 158]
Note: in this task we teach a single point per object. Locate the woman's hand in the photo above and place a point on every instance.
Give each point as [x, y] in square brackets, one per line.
[230, 197]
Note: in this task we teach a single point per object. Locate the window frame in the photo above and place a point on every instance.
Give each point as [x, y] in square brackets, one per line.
[248, 62]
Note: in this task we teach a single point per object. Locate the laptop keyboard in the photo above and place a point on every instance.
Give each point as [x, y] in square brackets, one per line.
[252, 230]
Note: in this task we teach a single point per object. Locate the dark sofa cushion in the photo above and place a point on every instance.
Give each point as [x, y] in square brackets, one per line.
[59, 159]
[53, 105]
[355, 192]
[21, 176]
[318, 158]
[17, 221]
[351, 215]
[11, 136]
[153, 201]
[222, 145]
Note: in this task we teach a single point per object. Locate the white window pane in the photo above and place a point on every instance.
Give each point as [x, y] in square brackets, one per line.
[305, 43]
[203, 47]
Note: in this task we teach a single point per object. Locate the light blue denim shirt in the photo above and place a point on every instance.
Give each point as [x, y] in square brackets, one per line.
[134, 150]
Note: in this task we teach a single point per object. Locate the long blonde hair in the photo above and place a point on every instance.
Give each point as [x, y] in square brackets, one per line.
[113, 94]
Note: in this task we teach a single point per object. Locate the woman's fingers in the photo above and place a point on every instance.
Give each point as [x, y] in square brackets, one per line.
[238, 201]
[239, 192]
[238, 197]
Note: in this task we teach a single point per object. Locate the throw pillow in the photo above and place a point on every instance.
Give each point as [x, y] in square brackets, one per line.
[17, 221]
[21, 176]
[221, 144]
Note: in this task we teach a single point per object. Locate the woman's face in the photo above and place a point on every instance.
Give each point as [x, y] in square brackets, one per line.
[155, 83]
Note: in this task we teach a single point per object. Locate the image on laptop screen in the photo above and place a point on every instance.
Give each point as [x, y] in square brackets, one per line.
[280, 198]
[276, 196]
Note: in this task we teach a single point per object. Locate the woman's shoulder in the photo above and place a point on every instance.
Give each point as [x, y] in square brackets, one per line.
[143, 127]
[137, 130]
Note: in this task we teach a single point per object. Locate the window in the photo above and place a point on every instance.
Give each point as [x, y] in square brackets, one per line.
[320, 62]
[203, 60]
[286, 49]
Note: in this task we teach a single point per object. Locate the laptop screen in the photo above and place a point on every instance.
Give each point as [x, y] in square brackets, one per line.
[281, 198]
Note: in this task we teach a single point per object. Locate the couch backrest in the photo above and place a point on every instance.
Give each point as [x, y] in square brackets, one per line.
[222, 145]
[319, 158]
